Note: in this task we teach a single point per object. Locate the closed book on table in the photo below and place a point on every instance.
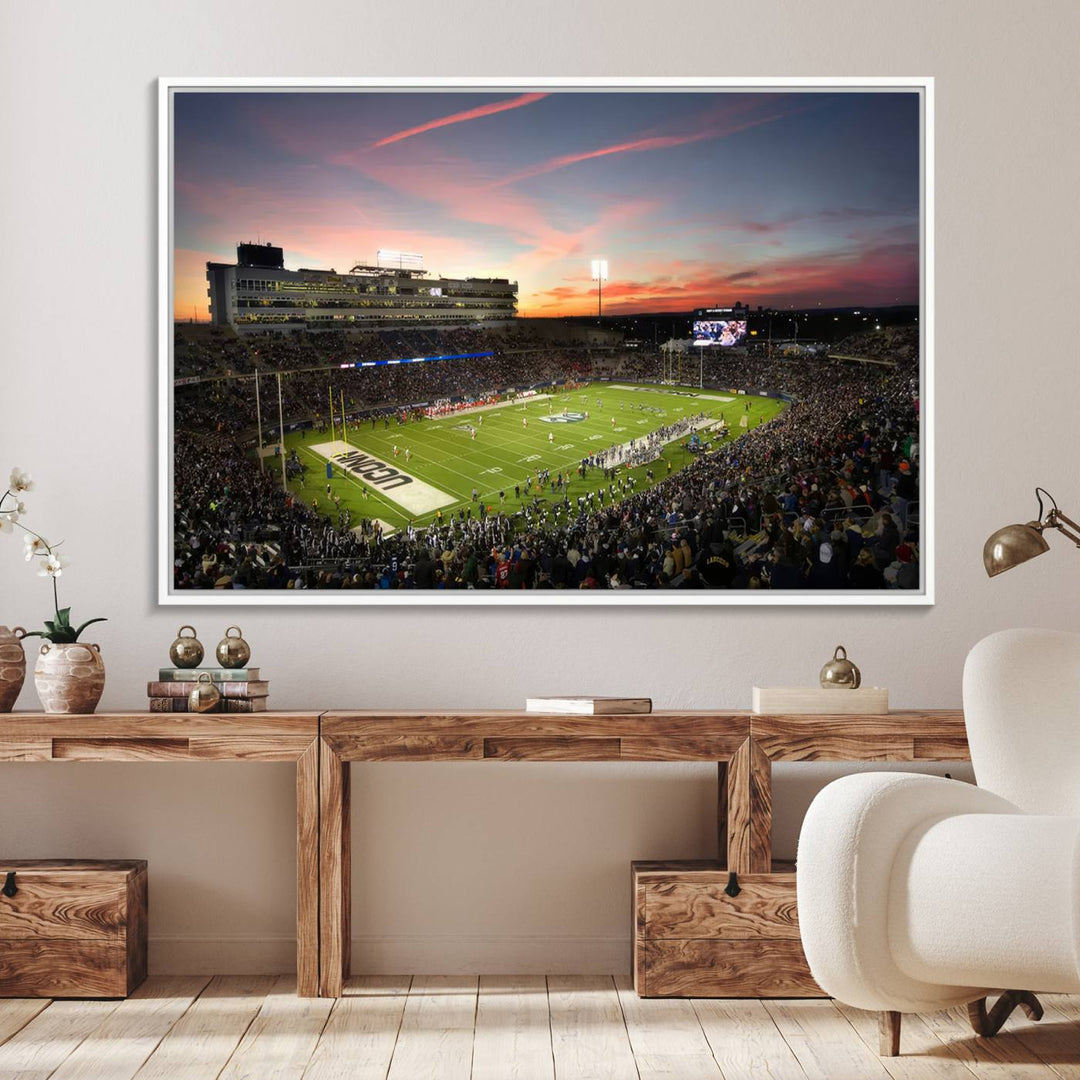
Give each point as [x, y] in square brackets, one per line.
[165, 688]
[232, 705]
[588, 706]
[218, 674]
[238, 705]
[72, 928]
[168, 704]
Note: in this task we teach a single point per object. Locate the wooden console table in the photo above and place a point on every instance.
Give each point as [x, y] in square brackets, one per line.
[323, 745]
[260, 737]
[742, 744]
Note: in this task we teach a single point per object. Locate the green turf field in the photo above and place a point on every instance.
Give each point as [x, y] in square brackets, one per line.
[505, 453]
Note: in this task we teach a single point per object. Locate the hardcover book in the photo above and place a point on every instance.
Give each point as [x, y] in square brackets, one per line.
[230, 705]
[226, 689]
[244, 705]
[588, 706]
[218, 674]
[168, 704]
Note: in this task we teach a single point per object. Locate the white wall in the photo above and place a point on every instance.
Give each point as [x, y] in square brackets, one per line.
[495, 867]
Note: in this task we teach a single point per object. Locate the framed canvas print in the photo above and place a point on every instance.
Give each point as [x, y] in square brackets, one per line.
[577, 341]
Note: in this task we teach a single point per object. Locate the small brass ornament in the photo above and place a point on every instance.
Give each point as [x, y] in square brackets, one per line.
[840, 673]
[186, 652]
[233, 652]
[204, 695]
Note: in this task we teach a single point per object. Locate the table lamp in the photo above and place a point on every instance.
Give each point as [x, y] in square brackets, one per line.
[1014, 544]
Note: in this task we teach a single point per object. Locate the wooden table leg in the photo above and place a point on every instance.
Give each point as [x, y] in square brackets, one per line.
[722, 813]
[749, 810]
[334, 872]
[307, 872]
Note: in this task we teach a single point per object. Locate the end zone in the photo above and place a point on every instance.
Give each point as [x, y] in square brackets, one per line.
[411, 494]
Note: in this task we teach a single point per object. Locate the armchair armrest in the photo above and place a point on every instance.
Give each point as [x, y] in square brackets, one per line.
[848, 845]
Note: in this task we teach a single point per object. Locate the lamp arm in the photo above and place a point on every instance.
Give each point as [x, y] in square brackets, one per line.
[1056, 519]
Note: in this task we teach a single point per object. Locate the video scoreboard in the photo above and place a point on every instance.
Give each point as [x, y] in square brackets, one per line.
[720, 326]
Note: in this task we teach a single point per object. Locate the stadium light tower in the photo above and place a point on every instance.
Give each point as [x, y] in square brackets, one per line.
[599, 275]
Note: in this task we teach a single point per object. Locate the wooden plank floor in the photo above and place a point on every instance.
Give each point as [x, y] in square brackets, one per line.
[524, 1027]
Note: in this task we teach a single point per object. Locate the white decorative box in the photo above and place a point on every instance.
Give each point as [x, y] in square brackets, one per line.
[817, 700]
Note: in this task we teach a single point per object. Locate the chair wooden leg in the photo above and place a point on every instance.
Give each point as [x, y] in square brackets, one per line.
[977, 1015]
[889, 1033]
[988, 1024]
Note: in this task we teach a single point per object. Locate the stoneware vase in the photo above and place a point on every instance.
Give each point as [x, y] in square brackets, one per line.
[69, 678]
[12, 666]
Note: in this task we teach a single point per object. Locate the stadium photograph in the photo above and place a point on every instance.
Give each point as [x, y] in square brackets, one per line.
[544, 344]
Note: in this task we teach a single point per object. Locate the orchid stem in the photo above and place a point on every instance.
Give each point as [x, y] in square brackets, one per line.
[20, 525]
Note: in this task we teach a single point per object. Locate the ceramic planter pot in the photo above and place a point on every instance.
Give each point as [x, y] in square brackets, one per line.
[69, 678]
[12, 666]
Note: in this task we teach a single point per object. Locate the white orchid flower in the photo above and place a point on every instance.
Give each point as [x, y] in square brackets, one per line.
[20, 481]
[34, 545]
[7, 520]
[20, 507]
[53, 566]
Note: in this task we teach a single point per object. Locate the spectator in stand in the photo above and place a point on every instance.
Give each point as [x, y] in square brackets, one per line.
[800, 496]
[905, 493]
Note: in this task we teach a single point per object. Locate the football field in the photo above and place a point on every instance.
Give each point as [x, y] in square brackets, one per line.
[439, 462]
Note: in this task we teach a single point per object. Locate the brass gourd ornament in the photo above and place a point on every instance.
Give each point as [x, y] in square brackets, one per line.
[186, 652]
[204, 696]
[233, 652]
[840, 673]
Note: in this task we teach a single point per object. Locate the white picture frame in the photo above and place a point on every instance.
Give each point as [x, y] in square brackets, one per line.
[168, 87]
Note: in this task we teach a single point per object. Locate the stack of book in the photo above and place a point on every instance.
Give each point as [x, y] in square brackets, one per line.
[241, 689]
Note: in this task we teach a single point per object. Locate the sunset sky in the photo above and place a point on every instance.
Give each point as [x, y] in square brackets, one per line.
[695, 199]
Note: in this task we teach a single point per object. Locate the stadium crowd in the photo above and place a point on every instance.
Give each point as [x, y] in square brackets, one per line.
[823, 496]
[227, 402]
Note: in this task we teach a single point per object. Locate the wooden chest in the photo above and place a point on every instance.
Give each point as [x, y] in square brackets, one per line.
[693, 939]
[71, 928]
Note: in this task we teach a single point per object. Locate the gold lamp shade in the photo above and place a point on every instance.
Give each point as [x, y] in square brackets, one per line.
[1012, 545]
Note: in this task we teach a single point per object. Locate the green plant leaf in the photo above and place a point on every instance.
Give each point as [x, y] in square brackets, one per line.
[86, 624]
[63, 616]
[57, 637]
[50, 625]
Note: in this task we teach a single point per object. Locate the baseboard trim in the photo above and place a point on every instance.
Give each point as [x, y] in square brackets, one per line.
[221, 956]
[456, 954]
[394, 954]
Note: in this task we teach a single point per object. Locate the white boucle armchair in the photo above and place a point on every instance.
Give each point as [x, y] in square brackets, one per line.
[918, 893]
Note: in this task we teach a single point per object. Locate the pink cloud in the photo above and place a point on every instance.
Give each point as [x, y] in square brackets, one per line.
[461, 117]
[652, 142]
[467, 195]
